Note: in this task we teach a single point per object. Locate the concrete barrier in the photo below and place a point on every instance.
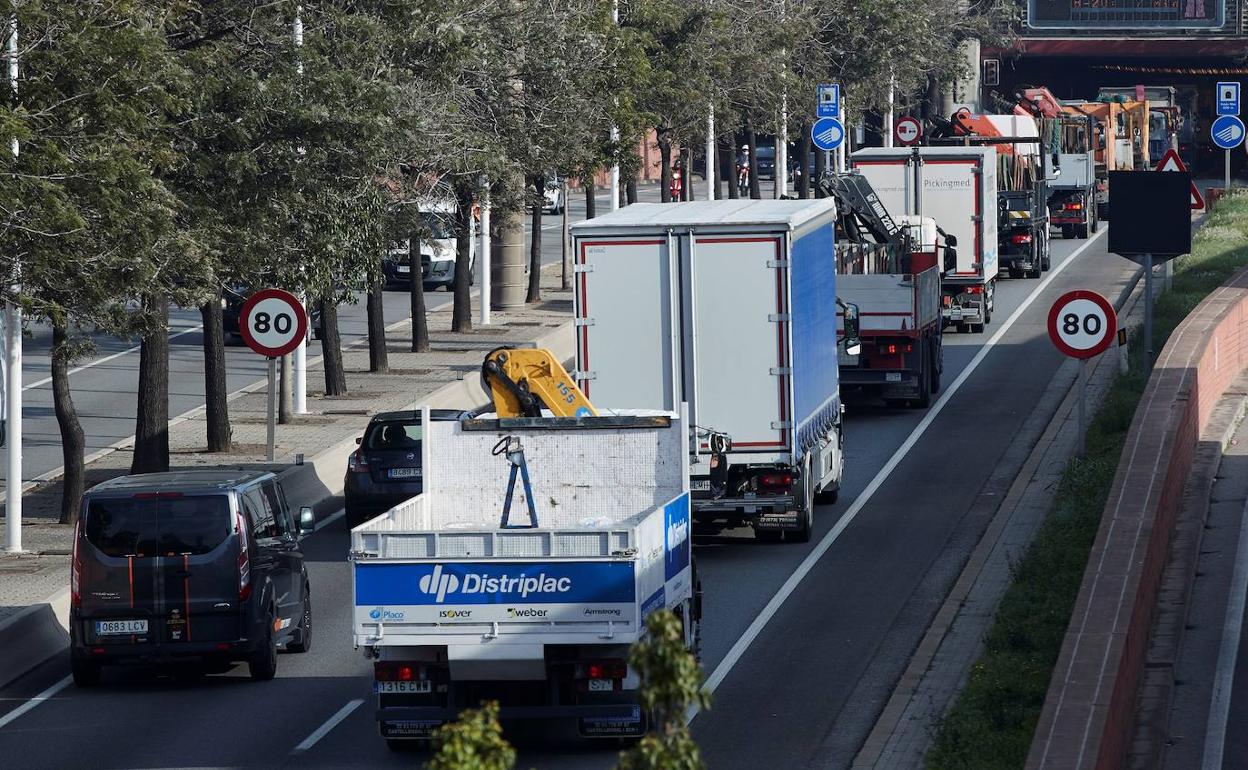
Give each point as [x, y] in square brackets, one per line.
[38, 633]
[1088, 712]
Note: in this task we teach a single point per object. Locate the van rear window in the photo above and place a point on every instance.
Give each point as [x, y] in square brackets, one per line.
[158, 526]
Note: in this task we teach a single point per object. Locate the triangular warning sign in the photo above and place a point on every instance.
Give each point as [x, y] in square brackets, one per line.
[1172, 162]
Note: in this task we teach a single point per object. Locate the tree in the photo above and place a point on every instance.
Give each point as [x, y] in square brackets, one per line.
[671, 682]
[73, 441]
[378, 358]
[472, 742]
[216, 402]
[535, 245]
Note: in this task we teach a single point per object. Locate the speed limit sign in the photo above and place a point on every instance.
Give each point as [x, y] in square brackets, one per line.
[273, 322]
[1082, 324]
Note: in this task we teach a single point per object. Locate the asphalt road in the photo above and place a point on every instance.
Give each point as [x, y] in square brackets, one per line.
[104, 384]
[802, 643]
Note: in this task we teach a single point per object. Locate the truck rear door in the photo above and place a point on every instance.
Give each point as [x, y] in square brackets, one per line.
[739, 310]
[625, 322]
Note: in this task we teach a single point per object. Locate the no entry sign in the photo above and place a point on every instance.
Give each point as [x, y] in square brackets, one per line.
[1082, 324]
[273, 322]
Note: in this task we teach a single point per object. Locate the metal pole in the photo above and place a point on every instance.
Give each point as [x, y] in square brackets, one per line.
[918, 182]
[566, 242]
[840, 148]
[710, 153]
[271, 427]
[1227, 186]
[1083, 398]
[615, 131]
[487, 255]
[300, 379]
[1148, 314]
[782, 149]
[13, 367]
[889, 118]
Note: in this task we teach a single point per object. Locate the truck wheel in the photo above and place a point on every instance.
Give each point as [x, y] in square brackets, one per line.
[964, 328]
[924, 398]
[1068, 232]
[934, 380]
[1081, 231]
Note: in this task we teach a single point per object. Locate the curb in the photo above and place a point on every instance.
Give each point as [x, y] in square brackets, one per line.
[40, 632]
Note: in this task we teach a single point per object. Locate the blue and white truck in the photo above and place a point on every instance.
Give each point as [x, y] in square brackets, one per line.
[731, 307]
[480, 589]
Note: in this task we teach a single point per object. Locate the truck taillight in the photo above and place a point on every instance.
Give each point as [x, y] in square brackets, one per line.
[399, 672]
[776, 480]
[357, 463]
[894, 349]
[244, 561]
[974, 289]
[601, 669]
[1020, 238]
[1073, 207]
[75, 569]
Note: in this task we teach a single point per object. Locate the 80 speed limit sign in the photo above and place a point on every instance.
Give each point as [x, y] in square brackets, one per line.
[273, 322]
[1082, 324]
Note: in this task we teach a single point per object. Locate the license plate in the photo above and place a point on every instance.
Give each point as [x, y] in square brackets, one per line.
[700, 484]
[892, 376]
[402, 688]
[106, 627]
[405, 473]
[404, 269]
[601, 685]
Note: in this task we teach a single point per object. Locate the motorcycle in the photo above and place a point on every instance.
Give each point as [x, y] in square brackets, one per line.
[743, 181]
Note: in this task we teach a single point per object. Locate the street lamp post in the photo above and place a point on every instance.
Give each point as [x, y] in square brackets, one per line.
[13, 366]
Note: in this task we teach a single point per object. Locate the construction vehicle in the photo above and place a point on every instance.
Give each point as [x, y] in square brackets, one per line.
[1068, 154]
[1165, 116]
[727, 306]
[1121, 143]
[890, 271]
[957, 187]
[460, 599]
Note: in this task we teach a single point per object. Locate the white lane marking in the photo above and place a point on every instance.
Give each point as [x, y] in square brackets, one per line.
[330, 724]
[21, 710]
[1228, 652]
[329, 519]
[108, 358]
[773, 606]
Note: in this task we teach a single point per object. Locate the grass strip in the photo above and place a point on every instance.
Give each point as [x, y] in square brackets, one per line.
[991, 723]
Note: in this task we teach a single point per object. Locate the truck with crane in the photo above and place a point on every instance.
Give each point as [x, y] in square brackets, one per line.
[458, 598]
[727, 306]
[890, 271]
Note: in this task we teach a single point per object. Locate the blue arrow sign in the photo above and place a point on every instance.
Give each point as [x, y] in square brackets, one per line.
[827, 133]
[1228, 98]
[1227, 132]
[828, 100]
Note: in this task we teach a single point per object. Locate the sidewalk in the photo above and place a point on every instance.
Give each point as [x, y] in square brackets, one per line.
[446, 376]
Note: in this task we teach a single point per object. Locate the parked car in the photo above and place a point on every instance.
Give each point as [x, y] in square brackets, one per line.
[766, 161]
[191, 566]
[386, 469]
[439, 248]
[233, 297]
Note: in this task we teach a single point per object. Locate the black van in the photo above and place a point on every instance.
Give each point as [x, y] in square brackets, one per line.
[195, 566]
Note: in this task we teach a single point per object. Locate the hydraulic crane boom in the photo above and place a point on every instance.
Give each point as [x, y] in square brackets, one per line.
[522, 381]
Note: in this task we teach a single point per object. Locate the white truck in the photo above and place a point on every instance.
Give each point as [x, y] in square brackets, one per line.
[959, 190]
[459, 600]
[730, 307]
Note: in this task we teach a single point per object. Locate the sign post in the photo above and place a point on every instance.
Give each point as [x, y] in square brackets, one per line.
[1082, 325]
[828, 108]
[272, 323]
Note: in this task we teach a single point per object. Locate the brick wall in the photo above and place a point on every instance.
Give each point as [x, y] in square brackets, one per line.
[1088, 711]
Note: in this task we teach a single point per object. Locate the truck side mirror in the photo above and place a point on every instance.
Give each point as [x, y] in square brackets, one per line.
[853, 345]
[307, 521]
[951, 258]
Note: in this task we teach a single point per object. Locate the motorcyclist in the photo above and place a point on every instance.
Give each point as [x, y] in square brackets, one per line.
[743, 170]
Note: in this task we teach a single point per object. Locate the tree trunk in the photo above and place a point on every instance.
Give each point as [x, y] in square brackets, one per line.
[151, 424]
[461, 316]
[630, 191]
[803, 152]
[665, 165]
[73, 441]
[728, 162]
[821, 165]
[591, 205]
[331, 347]
[535, 241]
[751, 140]
[286, 391]
[378, 358]
[220, 436]
[686, 173]
[416, 293]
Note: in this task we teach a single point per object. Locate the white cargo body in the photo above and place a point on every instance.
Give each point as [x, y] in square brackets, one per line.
[959, 191]
[730, 307]
[455, 604]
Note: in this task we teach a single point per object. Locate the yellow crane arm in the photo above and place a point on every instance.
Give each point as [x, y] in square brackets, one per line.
[523, 380]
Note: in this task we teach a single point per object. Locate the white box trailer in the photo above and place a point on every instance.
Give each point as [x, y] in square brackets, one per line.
[730, 307]
[456, 602]
[959, 191]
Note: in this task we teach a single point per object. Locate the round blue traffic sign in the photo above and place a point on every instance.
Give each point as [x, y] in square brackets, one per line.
[1227, 132]
[828, 133]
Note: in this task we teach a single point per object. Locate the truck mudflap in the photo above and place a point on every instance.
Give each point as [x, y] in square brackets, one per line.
[621, 720]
